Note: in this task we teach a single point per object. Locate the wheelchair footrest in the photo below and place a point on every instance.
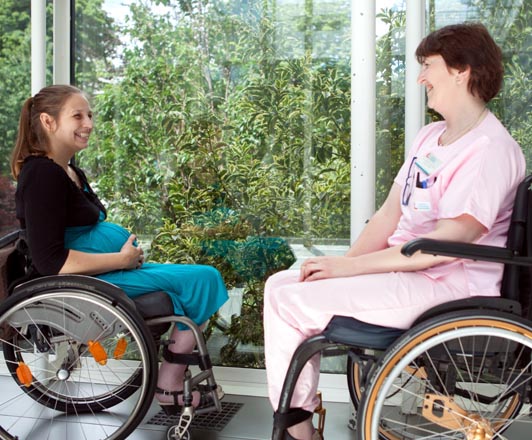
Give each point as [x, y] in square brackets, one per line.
[298, 415]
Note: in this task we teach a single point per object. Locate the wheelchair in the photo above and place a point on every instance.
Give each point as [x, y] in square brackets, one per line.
[83, 356]
[462, 371]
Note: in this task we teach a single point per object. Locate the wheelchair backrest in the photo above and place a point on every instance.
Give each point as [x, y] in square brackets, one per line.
[14, 260]
[516, 282]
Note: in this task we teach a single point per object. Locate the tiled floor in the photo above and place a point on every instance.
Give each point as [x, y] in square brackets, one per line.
[241, 418]
[249, 418]
[252, 421]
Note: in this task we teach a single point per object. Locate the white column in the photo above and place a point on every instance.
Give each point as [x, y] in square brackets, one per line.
[61, 42]
[414, 93]
[38, 45]
[363, 108]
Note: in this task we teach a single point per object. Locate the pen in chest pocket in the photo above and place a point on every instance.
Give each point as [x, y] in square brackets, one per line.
[425, 183]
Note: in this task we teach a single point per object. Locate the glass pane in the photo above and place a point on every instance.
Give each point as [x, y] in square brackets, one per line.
[222, 137]
[223, 130]
[14, 89]
[390, 93]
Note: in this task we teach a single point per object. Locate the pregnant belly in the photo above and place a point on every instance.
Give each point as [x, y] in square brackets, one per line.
[104, 237]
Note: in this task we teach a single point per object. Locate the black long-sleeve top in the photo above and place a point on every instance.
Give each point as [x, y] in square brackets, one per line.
[48, 201]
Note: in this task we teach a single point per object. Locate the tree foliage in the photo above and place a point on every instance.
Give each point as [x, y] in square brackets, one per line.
[209, 114]
[14, 72]
[215, 118]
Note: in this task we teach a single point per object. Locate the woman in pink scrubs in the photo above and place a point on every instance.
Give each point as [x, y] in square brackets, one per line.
[458, 183]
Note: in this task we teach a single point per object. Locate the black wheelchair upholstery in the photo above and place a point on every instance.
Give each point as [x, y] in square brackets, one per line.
[379, 357]
[13, 264]
[83, 355]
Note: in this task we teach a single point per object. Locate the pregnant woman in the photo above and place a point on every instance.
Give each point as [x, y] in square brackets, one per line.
[67, 232]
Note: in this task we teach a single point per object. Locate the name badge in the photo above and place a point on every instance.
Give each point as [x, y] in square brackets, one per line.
[428, 164]
[422, 206]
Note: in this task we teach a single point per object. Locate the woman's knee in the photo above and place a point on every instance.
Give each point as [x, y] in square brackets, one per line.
[278, 280]
[212, 276]
[276, 294]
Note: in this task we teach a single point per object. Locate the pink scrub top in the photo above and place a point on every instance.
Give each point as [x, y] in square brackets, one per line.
[476, 175]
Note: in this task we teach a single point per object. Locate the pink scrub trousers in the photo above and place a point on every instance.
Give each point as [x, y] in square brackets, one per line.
[294, 311]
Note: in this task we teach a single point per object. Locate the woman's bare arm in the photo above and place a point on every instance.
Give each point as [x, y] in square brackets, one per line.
[463, 229]
[382, 224]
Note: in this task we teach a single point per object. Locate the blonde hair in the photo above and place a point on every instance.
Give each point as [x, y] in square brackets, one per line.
[31, 138]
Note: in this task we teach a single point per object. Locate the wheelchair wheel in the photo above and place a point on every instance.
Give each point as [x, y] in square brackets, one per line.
[74, 353]
[463, 375]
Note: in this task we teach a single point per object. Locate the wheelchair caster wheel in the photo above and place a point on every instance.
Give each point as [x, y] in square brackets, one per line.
[173, 434]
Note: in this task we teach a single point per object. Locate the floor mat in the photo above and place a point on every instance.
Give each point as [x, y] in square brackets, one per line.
[213, 421]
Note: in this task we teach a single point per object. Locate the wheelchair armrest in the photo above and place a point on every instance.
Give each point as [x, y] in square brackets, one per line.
[11, 237]
[464, 250]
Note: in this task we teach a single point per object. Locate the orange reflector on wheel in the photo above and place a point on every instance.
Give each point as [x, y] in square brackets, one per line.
[120, 348]
[98, 352]
[24, 374]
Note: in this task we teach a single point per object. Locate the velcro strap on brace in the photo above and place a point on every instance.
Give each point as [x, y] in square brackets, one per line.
[204, 362]
[291, 418]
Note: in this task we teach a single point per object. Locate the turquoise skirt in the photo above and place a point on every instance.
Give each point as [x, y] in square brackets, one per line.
[197, 291]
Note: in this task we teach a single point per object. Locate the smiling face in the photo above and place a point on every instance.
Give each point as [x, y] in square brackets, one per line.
[469, 48]
[70, 132]
[441, 83]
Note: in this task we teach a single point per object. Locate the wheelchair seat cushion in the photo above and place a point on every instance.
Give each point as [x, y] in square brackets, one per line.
[154, 305]
[351, 331]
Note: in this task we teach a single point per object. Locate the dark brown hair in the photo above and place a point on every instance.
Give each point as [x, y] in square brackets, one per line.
[468, 45]
[31, 137]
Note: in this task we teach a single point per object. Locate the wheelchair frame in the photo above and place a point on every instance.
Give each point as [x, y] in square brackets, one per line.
[419, 383]
[100, 349]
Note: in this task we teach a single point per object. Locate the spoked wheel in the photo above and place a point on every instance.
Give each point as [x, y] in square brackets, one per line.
[458, 376]
[83, 362]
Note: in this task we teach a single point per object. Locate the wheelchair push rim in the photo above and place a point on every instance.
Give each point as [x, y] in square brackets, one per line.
[84, 366]
[448, 379]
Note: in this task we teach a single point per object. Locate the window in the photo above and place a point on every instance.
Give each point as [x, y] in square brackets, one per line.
[223, 138]
[223, 127]
[14, 89]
